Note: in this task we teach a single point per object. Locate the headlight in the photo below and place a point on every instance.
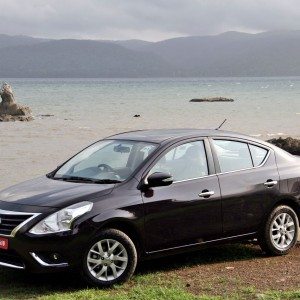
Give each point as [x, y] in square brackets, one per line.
[62, 220]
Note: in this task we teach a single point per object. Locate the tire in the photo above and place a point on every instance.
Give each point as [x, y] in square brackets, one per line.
[280, 232]
[108, 266]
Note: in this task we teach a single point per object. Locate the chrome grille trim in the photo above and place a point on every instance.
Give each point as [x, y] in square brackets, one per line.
[17, 213]
[3, 264]
[44, 264]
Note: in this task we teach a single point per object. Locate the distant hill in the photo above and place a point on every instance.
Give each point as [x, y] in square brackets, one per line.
[274, 53]
[78, 58]
[233, 54]
[18, 40]
[133, 44]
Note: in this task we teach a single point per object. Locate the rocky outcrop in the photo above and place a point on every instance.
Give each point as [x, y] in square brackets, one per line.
[9, 109]
[288, 144]
[212, 99]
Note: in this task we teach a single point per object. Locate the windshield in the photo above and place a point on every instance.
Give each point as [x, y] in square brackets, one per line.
[107, 161]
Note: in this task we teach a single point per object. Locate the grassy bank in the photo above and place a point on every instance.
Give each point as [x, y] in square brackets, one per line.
[230, 272]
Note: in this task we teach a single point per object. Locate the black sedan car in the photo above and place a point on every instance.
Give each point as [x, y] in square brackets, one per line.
[149, 193]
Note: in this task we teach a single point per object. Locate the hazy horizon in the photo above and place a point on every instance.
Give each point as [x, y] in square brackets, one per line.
[144, 40]
[142, 19]
[229, 54]
[156, 38]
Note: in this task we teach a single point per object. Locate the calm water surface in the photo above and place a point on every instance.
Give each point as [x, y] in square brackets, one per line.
[263, 106]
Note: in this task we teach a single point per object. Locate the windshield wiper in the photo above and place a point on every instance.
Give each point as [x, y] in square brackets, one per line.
[84, 179]
[107, 181]
[73, 178]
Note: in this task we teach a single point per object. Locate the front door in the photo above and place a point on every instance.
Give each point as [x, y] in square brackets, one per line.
[189, 210]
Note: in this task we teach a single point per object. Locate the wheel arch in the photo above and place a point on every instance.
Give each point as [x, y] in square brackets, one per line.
[129, 222]
[129, 229]
[264, 233]
[291, 202]
[286, 200]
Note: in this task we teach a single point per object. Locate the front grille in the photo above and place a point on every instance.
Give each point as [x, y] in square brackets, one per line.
[11, 220]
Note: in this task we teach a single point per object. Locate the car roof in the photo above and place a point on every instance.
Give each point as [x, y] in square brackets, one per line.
[162, 135]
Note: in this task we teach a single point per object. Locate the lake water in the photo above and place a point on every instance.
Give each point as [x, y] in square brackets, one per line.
[86, 110]
[263, 106]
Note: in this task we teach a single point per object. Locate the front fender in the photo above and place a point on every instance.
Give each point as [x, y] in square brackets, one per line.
[115, 214]
[129, 222]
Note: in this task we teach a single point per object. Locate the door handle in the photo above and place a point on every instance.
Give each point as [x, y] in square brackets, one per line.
[206, 194]
[270, 183]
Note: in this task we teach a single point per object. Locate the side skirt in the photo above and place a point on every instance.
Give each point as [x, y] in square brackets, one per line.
[197, 246]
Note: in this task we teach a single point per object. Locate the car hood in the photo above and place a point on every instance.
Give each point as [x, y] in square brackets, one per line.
[47, 192]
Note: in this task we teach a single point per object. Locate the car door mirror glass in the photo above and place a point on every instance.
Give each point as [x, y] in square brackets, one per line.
[159, 179]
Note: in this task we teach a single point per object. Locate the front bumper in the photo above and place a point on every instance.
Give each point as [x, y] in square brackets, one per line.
[46, 253]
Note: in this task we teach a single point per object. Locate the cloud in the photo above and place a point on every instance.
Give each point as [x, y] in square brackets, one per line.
[144, 19]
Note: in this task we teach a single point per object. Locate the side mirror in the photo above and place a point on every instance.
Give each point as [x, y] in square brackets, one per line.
[159, 179]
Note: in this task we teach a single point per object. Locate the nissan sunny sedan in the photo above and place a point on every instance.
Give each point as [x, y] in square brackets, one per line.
[143, 194]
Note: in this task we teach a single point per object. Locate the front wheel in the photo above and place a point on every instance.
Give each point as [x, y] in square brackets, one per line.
[280, 233]
[109, 259]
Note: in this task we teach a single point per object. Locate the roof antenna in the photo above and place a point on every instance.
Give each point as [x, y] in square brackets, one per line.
[221, 124]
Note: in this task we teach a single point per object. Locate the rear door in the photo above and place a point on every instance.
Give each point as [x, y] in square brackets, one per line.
[248, 179]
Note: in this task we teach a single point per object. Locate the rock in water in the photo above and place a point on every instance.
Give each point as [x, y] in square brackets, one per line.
[212, 99]
[9, 109]
[288, 144]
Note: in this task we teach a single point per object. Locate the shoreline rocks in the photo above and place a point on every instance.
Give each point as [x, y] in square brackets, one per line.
[10, 111]
[10, 118]
[212, 99]
[288, 144]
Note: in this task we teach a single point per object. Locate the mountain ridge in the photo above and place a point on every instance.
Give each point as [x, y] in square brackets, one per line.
[275, 53]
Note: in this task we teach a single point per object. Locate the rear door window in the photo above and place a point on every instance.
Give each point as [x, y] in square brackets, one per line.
[258, 154]
[233, 155]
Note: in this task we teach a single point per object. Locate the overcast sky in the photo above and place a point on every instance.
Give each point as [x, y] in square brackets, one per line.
[144, 19]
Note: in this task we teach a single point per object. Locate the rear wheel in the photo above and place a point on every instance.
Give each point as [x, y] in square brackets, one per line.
[109, 259]
[280, 233]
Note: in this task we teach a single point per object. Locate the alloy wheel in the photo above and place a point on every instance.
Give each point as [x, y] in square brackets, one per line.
[107, 260]
[282, 231]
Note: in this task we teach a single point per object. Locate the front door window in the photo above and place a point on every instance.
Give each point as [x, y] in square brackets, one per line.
[184, 162]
